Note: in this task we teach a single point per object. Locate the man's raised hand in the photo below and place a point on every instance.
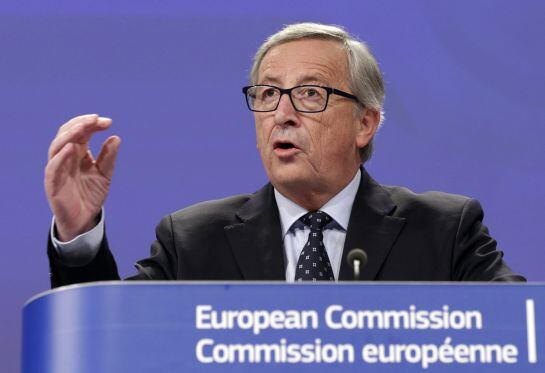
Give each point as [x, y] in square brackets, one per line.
[76, 185]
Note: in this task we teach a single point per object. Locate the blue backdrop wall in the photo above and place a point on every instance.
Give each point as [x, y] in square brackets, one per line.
[465, 85]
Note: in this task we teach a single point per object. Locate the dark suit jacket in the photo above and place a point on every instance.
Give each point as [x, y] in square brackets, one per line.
[408, 237]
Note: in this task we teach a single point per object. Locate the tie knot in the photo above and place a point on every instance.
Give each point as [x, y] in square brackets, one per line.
[316, 220]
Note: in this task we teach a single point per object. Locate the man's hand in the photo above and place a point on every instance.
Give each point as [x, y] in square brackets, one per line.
[76, 185]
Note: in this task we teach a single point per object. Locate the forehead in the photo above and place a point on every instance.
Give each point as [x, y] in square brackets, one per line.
[299, 61]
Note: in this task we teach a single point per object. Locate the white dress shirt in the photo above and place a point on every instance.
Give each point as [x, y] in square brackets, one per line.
[84, 247]
[81, 249]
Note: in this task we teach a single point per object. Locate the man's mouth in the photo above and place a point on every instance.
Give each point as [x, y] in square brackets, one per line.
[283, 145]
[284, 148]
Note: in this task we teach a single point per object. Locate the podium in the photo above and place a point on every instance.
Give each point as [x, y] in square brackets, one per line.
[271, 327]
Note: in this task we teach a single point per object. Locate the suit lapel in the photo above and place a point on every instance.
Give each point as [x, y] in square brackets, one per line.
[257, 241]
[370, 228]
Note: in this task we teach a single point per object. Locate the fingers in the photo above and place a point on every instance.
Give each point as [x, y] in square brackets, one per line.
[78, 119]
[106, 158]
[78, 130]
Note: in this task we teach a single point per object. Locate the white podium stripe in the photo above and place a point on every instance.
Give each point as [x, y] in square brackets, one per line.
[531, 330]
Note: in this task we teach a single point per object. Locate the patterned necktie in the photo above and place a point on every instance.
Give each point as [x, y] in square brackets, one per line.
[313, 263]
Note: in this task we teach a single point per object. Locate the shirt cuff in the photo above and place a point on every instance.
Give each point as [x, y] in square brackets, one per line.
[83, 248]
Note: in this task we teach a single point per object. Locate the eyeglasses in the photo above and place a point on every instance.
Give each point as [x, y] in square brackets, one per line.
[304, 98]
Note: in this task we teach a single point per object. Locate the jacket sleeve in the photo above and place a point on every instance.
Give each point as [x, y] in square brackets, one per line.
[475, 257]
[101, 268]
[161, 265]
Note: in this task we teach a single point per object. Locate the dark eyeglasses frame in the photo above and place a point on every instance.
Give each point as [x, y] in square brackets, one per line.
[329, 90]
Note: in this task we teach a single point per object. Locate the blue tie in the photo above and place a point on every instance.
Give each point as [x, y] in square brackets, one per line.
[313, 263]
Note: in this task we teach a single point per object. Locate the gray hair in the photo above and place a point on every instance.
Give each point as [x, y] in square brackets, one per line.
[365, 79]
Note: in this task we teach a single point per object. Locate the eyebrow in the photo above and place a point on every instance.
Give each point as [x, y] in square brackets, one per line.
[304, 79]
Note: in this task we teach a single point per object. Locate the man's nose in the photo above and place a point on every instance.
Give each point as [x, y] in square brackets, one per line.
[285, 113]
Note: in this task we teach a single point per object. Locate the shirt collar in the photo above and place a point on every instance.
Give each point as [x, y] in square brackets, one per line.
[338, 207]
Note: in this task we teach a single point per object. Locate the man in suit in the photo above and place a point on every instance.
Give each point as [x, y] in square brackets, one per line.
[317, 96]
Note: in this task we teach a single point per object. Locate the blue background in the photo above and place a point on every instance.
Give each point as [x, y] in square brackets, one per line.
[465, 113]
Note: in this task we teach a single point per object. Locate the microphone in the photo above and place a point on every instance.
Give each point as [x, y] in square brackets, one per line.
[357, 259]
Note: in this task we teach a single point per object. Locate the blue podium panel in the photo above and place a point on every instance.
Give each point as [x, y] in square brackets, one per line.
[268, 327]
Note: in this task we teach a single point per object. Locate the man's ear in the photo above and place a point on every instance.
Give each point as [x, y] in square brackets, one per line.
[368, 122]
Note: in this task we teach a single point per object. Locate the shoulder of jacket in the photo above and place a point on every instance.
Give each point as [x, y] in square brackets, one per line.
[218, 207]
[431, 201]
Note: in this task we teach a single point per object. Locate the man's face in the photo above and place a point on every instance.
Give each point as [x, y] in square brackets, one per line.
[310, 152]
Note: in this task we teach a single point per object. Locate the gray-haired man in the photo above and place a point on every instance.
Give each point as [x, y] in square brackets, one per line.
[317, 96]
